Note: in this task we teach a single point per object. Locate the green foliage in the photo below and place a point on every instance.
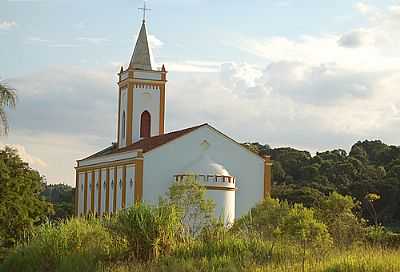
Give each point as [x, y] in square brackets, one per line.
[370, 167]
[149, 231]
[379, 236]
[77, 244]
[21, 207]
[277, 220]
[189, 197]
[338, 213]
[61, 196]
[308, 196]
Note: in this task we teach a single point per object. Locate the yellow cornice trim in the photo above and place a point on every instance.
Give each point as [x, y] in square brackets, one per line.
[220, 188]
[105, 165]
[124, 82]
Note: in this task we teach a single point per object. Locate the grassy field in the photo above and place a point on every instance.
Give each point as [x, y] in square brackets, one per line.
[273, 236]
[356, 259]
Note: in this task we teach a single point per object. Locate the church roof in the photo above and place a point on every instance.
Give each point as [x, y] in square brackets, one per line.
[141, 55]
[146, 144]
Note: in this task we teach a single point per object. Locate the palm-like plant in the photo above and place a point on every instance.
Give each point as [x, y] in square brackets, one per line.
[8, 99]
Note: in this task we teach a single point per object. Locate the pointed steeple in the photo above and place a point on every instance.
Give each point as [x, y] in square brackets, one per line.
[141, 55]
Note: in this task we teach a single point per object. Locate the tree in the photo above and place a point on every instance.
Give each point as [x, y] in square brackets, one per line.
[8, 99]
[338, 213]
[21, 207]
[189, 197]
[370, 198]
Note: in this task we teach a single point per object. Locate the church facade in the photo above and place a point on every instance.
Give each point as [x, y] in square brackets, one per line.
[145, 160]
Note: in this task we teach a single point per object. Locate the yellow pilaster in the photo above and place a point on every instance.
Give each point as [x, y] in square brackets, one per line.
[99, 195]
[267, 176]
[92, 195]
[138, 180]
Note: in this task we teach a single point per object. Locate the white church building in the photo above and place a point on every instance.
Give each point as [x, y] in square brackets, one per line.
[146, 160]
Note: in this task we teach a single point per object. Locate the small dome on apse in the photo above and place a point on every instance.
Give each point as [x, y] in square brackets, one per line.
[206, 166]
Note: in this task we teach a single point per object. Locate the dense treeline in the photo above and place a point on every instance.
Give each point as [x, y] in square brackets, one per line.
[61, 196]
[369, 167]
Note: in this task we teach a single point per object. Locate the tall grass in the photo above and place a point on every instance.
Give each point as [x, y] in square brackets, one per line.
[359, 259]
[273, 237]
[67, 246]
[149, 231]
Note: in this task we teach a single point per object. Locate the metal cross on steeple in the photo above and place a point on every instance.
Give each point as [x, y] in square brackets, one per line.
[144, 10]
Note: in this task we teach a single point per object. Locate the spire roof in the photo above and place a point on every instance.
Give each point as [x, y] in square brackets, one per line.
[141, 55]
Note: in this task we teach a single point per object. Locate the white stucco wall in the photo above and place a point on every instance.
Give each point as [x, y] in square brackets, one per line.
[145, 99]
[111, 190]
[161, 164]
[103, 189]
[224, 204]
[152, 75]
[130, 175]
[96, 191]
[89, 193]
[123, 108]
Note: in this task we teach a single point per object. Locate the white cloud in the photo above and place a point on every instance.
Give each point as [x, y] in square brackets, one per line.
[193, 66]
[373, 47]
[38, 39]
[93, 40]
[154, 42]
[314, 92]
[7, 25]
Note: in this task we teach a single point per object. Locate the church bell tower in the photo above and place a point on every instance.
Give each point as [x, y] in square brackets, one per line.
[141, 103]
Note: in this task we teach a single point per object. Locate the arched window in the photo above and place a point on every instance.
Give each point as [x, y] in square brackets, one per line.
[123, 125]
[145, 122]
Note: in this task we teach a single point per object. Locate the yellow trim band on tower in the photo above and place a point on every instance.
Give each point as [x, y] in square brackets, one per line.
[162, 109]
[119, 115]
[129, 114]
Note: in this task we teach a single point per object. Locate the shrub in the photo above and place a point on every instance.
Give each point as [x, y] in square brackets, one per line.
[276, 220]
[379, 236]
[337, 212]
[189, 197]
[149, 231]
[77, 243]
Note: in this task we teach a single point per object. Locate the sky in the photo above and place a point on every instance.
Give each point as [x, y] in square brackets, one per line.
[309, 74]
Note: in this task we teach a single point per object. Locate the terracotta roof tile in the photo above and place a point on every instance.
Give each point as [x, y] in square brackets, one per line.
[146, 144]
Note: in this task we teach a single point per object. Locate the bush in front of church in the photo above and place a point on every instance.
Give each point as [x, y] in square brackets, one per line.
[150, 231]
[197, 212]
[280, 222]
